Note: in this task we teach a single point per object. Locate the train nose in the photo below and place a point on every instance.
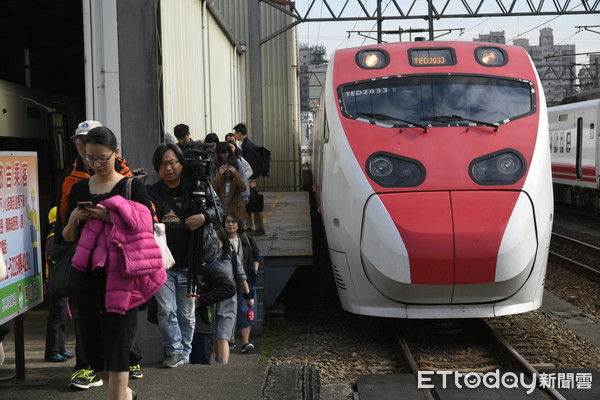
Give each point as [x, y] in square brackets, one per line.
[448, 247]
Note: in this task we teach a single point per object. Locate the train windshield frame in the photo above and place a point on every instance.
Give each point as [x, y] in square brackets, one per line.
[437, 100]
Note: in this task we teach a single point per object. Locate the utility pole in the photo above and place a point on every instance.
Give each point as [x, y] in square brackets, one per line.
[379, 22]
[430, 14]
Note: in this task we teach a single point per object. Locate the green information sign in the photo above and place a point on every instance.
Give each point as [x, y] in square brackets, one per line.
[21, 262]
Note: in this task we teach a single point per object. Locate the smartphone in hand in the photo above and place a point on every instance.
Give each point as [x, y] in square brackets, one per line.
[86, 204]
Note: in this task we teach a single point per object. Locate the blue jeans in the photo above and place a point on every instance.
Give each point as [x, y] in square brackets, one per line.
[176, 318]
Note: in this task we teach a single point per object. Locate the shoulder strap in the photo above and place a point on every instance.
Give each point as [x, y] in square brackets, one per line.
[161, 191]
[128, 189]
[247, 240]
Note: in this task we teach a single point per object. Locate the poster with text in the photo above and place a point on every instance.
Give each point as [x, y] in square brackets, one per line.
[21, 262]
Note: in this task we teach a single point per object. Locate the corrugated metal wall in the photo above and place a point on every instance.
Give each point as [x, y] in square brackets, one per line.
[281, 109]
[184, 80]
[221, 82]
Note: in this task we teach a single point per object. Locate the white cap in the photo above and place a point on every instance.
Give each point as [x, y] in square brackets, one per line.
[84, 127]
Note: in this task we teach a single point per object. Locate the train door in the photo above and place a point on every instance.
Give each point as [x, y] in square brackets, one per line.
[60, 142]
[579, 149]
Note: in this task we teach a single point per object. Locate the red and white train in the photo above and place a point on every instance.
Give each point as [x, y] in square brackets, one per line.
[575, 147]
[431, 168]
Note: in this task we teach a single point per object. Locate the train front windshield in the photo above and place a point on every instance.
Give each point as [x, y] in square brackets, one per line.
[437, 99]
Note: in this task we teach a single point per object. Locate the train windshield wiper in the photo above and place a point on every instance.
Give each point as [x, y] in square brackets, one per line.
[390, 118]
[449, 118]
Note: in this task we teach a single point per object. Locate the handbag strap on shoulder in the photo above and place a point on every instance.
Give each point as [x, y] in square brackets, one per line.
[128, 188]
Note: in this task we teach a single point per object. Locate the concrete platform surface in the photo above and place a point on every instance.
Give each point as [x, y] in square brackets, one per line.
[287, 225]
[243, 378]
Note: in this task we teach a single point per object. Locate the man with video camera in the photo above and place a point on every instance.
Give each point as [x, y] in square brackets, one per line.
[193, 243]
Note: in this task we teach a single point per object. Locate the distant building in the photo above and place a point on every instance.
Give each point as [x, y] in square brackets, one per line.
[589, 74]
[555, 64]
[313, 67]
[492, 37]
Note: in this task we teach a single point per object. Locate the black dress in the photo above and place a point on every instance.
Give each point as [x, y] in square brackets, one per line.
[107, 337]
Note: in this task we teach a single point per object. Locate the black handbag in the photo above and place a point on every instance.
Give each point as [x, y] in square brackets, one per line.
[63, 279]
[256, 202]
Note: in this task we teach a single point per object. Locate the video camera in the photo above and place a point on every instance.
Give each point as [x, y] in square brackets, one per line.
[197, 161]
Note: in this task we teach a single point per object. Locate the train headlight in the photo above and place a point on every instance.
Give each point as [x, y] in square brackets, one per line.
[372, 59]
[391, 170]
[380, 167]
[504, 167]
[490, 56]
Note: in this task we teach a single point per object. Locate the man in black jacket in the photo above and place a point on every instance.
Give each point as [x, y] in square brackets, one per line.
[184, 141]
[251, 153]
[172, 196]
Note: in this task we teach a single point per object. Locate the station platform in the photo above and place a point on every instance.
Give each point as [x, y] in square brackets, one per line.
[286, 245]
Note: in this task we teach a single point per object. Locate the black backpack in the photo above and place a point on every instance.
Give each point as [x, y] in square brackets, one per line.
[264, 159]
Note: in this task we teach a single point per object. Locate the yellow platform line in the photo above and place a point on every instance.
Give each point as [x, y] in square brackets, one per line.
[272, 208]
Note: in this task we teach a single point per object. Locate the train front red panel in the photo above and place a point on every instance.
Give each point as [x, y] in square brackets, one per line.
[424, 221]
[451, 237]
[480, 220]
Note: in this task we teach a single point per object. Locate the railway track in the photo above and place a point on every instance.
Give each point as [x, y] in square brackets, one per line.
[577, 254]
[491, 351]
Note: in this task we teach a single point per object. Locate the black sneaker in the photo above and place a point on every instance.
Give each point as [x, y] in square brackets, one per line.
[85, 379]
[135, 372]
[231, 345]
[247, 348]
[173, 361]
[259, 232]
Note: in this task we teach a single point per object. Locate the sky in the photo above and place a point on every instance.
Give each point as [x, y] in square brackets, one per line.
[333, 35]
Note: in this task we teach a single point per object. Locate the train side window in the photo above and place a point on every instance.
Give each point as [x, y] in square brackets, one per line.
[568, 142]
[562, 142]
[592, 132]
[556, 142]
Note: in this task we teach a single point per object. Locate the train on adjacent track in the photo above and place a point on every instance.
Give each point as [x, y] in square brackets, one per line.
[432, 172]
[575, 147]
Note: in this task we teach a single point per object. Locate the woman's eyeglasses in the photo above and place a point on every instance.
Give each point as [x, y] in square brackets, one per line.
[101, 160]
[230, 222]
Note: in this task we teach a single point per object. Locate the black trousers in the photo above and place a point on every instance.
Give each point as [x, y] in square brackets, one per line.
[81, 361]
[55, 328]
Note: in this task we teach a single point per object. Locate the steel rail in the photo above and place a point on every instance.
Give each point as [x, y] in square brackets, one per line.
[410, 361]
[576, 264]
[594, 249]
[528, 369]
[588, 246]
